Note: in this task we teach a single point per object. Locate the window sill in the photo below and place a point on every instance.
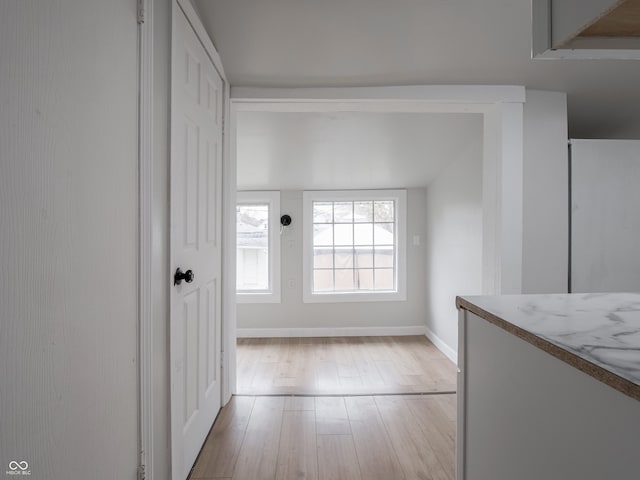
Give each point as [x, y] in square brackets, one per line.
[267, 297]
[354, 297]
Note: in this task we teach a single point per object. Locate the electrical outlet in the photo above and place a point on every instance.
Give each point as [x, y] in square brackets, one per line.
[416, 240]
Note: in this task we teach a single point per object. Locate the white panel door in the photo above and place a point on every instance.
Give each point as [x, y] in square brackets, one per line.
[605, 216]
[196, 192]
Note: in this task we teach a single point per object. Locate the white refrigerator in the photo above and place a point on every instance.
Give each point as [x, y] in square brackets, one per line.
[604, 216]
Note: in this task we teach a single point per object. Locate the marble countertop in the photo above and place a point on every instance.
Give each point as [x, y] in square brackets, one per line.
[598, 334]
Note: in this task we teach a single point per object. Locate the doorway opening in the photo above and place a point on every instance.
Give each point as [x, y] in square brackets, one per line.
[497, 112]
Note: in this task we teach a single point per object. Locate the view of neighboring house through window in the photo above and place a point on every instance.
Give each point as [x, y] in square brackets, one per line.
[257, 247]
[253, 247]
[354, 245]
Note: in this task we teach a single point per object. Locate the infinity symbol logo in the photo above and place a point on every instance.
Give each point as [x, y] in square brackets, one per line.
[23, 465]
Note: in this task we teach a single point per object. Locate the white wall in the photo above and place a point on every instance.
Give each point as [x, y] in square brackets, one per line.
[545, 193]
[68, 238]
[293, 313]
[454, 215]
[454, 243]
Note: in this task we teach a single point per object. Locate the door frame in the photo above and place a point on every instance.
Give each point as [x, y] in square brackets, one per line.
[149, 319]
[503, 157]
[145, 255]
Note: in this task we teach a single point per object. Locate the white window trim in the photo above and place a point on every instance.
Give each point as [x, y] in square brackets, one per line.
[272, 295]
[400, 197]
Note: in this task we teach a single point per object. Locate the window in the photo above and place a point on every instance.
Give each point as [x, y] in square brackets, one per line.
[258, 247]
[354, 246]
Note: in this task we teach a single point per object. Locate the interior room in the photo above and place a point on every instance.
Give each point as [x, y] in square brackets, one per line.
[436, 158]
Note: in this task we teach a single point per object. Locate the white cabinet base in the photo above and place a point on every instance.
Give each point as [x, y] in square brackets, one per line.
[525, 415]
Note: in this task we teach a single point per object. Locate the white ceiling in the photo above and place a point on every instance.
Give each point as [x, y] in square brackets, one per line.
[296, 43]
[349, 150]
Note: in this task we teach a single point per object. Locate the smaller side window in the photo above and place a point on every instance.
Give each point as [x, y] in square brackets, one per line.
[258, 247]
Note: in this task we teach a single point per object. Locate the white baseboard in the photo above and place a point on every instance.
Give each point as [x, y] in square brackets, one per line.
[449, 352]
[330, 332]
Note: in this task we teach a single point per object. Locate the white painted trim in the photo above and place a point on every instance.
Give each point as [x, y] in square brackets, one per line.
[464, 94]
[608, 44]
[331, 332]
[449, 352]
[271, 198]
[367, 106]
[229, 188]
[490, 203]
[510, 200]
[502, 192]
[589, 54]
[145, 278]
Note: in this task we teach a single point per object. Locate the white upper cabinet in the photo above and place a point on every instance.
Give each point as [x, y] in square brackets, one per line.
[586, 29]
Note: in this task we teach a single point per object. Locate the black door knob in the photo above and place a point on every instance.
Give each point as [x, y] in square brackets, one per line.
[179, 276]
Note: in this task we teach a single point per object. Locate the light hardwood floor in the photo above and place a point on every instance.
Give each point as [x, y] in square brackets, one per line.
[342, 366]
[321, 438]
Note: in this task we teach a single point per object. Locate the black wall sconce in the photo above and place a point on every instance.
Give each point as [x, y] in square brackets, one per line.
[285, 220]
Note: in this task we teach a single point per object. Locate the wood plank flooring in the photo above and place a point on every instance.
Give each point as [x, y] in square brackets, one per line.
[342, 366]
[332, 438]
[367, 436]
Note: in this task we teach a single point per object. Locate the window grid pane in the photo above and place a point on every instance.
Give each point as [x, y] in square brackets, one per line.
[323, 280]
[384, 279]
[323, 257]
[322, 212]
[354, 246]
